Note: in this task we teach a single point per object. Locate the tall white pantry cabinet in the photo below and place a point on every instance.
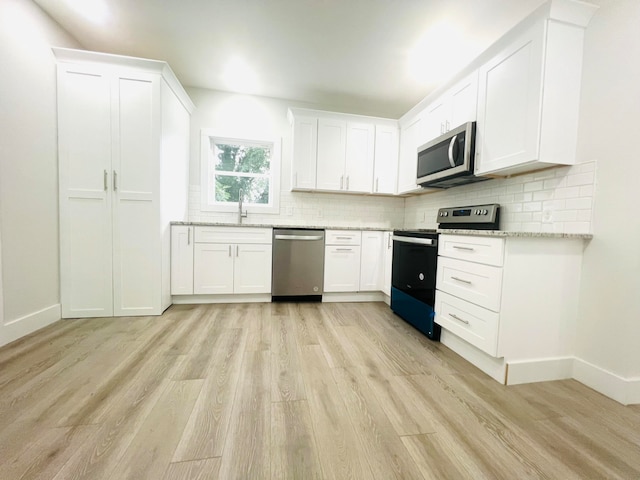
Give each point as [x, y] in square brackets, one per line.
[123, 136]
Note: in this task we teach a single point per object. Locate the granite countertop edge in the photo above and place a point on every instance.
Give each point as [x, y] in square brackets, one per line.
[484, 233]
[503, 233]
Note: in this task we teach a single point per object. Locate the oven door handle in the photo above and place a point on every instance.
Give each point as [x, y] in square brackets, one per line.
[429, 242]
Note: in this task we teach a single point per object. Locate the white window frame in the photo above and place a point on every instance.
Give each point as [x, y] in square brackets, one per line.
[205, 155]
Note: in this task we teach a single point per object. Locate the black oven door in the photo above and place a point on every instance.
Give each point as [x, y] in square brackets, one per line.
[414, 266]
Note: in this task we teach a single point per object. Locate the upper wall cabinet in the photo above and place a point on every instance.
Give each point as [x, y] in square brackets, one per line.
[336, 152]
[410, 140]
[455, 107]
[123, 129]
[529, 92]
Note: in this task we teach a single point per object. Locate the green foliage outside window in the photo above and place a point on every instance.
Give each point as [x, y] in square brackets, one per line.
[241, 167]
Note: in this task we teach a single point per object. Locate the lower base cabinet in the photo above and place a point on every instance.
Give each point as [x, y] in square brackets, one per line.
[342, 268]
[218, 265]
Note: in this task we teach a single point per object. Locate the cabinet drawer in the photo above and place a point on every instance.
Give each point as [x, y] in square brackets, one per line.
[233, 235]
[476, 283]
[476, 325]
[487, 250]
[343, 237]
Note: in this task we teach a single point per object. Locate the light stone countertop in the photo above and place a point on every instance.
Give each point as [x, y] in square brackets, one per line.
[452, 231]
[259, 225]
[503, 233]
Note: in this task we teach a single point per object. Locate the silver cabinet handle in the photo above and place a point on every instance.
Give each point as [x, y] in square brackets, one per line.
[447, 125]
[237, 250]
[453, 315]
[341, 181]
[458, 247]
[462, 280]
[344, 238]
[377, 183]
[344, 249]
[188, 235]
[229, 250]
[441, 128]
[389, 240]
[451, 144]
[347, 183]
[115, 181]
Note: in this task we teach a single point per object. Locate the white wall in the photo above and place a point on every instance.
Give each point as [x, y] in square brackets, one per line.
[28, 170]
[609, 317]
[247, 116]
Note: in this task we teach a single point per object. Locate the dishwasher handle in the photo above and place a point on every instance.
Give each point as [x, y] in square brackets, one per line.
[299, 237]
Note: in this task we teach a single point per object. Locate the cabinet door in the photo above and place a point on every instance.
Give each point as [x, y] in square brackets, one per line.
[408, 160]
[463, 102]
[435, 121]
[136, 228]
[213, 268]
[359, 157]
[84, 133]
[181, 260]
[371, 262]
[252, 268]
[341, 269]
[305, 145]
[388, 259]
[385, 159]
[509, 96]
[331, 154]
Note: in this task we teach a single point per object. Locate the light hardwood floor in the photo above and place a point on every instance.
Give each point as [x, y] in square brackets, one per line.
[288, 391]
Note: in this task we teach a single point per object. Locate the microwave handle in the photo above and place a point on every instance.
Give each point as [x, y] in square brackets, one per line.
[451, 144]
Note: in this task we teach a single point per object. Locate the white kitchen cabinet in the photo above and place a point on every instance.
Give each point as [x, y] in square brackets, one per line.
[332, 142]
[529, 94]
[514, 299]
[345, 155]
[385, 161]
[342, 261]
[337, 152]
[371, 261]
[358, 167]
[232, 260]
[123, 128]
[453, 108]
[305, 145]
[182, 241]
[213, 268]
[408, 158]
[388, 262]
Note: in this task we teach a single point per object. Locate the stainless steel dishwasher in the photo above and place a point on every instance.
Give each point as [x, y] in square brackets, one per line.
[298, 264]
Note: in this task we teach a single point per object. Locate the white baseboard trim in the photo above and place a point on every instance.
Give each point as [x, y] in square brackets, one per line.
[539, 370]
[353, 297]
[494, 367]
[223, 298]
[623, 390]
[19, 327]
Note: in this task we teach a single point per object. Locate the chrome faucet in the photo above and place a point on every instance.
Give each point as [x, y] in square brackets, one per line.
[241, 214]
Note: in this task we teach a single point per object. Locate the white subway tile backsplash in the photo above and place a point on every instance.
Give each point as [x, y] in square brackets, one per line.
[533, 186]
[540, 201]
[581, 179]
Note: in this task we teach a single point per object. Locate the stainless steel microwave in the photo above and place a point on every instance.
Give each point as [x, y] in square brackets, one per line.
[447, 161]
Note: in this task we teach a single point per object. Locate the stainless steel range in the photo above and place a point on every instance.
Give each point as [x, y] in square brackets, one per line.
[415, 258]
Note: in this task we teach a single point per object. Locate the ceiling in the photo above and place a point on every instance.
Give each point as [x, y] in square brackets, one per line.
[350, 55]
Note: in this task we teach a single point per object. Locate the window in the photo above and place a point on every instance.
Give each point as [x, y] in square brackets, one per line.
[232, 167]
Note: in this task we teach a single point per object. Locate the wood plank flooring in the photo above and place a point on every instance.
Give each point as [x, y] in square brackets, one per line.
[288, 391]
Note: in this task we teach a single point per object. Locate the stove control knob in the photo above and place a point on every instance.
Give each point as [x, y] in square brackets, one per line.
[485, 211]
[446, 214]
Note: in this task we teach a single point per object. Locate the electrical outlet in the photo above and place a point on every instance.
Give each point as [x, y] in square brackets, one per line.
[547, 216]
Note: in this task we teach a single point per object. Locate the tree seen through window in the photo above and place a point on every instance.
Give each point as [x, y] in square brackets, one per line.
[238, 166]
